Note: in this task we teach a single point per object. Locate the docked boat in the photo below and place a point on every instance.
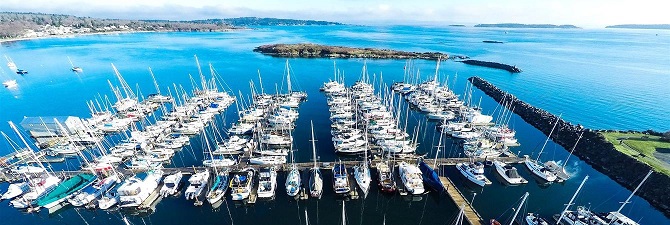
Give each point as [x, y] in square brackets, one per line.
[171, 184]
[15, 190]
[65, 189]
[509, 173]
[362, 174]
[340, 179]
[430, 177]
[386, 178]
[108, 200]
[473, 172]
[293, 182]
[140, 188]
[241, 184]
[38, 187]
[94, 191]
[539, 170]
[411, 178]
[267, 182]
[268, 160]
[315, 176]
[534, 219]
[219, 187]
[197, 184]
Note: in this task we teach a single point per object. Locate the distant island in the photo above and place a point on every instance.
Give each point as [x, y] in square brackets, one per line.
[256, 21]
[493, 42]
[456, 25]
[324, 51]
[18, 25]
[519, 25]
[495, 65]
[642, 26]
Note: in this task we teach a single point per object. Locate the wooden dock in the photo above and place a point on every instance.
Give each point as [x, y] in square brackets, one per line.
[469, 212]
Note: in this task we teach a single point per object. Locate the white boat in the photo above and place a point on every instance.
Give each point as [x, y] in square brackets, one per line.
[39, 186]
[539, 170]
[219, 187]
[534, 219]
[94, 191]
[293, 182]
[137, 189]
[108, 200]
[315, 176]
[219, 162]
[362, 174]
[267, 182]
[473, 172]
[441, 115]
[509, 173]
[241, 184]
[15, 189]
[340, 179]
[411, 178]
[10, 84]
[268, 160]
[197, 184]
[171, 184]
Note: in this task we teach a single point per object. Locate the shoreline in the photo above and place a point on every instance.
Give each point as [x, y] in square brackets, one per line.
[9, 40]
[594, 148]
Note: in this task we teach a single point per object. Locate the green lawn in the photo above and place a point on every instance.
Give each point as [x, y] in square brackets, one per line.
[641, 147]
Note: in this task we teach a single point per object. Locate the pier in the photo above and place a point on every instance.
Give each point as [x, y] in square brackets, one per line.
[457, 197]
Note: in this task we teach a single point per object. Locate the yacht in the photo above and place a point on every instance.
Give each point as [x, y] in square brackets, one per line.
[293, 182]
[197, 184]
[539, 170]
[171, 184]
[139, 188]
[473, 172]
[267, 182]
[386, 178]
[411, 178]
[10, 84]
[509, 173]
[15, 190]
[241, 184]
[64, 190]
[340, 179]
[268, 160]
[219, 187]
[534, 219]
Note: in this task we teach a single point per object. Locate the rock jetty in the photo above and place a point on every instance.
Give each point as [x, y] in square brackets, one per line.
[325, 51]
[495, 65]
[593, 148]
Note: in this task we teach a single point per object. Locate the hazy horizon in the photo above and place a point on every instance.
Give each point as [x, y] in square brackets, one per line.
[588, 14]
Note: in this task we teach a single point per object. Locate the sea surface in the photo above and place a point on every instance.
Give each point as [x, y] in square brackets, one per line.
[600, 78]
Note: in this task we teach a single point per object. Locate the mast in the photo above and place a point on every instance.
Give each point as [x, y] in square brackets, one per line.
[572, 150]
[71, 64]
[202, 77]
[631, 194]
[11, 124]
[439, 144]
[158, 90]
[260, 81]
[572, 199]
[516, 213]
[288, 77]
[126, 88]
[313, 145]
[344, 215]
[548, 136]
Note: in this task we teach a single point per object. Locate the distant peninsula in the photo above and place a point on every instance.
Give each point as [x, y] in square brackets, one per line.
[324, 51]
[641, 26]
[256, 21]
[519, 25]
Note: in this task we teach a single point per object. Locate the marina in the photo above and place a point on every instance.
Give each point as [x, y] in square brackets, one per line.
[232, 141]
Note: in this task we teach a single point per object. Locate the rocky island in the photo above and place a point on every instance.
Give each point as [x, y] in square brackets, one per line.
[325, 51]
[593, 148]
[519, 25]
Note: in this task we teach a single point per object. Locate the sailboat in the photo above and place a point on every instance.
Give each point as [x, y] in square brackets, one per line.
[315, 176]
[219, 186]
[267, 182]
[362, 173]
[538, 168]
[12, 66]
[10, 84]
[293, 179]
[429, 175]
[559, 170]
[386, 178]
[582, 214]
[75, 69]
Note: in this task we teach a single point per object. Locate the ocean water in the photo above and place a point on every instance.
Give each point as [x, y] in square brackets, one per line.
[604, 79]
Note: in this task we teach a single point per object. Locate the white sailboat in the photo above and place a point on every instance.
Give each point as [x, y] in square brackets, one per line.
[559, 170]
[538, 168]
[75, 69]
[516, 211]
[315, 176]
[340, 179]
[362, 173]
[293, 181]
[219, 187]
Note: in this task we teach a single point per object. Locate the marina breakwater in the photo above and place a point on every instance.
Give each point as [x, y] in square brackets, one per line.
[593, 148]
[495, 65]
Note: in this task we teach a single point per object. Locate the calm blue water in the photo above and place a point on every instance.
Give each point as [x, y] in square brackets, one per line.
[608, 79]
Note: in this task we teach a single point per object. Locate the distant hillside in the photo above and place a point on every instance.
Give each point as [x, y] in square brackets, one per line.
[641, 26]
[255, 21]
[519, 25]
[20, 25]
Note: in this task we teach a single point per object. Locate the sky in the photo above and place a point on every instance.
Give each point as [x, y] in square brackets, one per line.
[585, 13]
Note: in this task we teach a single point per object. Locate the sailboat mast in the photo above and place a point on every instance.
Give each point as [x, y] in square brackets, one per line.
[260, 81]
[572, 150]
[288, 77]
[202, 77]
[313, 144]
[11, 124]
[516, 212]
[548, 136]
[637, 188]
[158, 90]
[571, 200]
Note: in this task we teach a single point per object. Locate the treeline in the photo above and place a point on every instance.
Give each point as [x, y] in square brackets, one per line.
[256, 21]
[13, 24]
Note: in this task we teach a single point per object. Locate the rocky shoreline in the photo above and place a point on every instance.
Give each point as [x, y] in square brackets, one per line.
[495, 65]
[325, 51]
[593, 148]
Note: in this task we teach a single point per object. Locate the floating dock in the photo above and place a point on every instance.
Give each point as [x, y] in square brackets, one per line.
[457, 197]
